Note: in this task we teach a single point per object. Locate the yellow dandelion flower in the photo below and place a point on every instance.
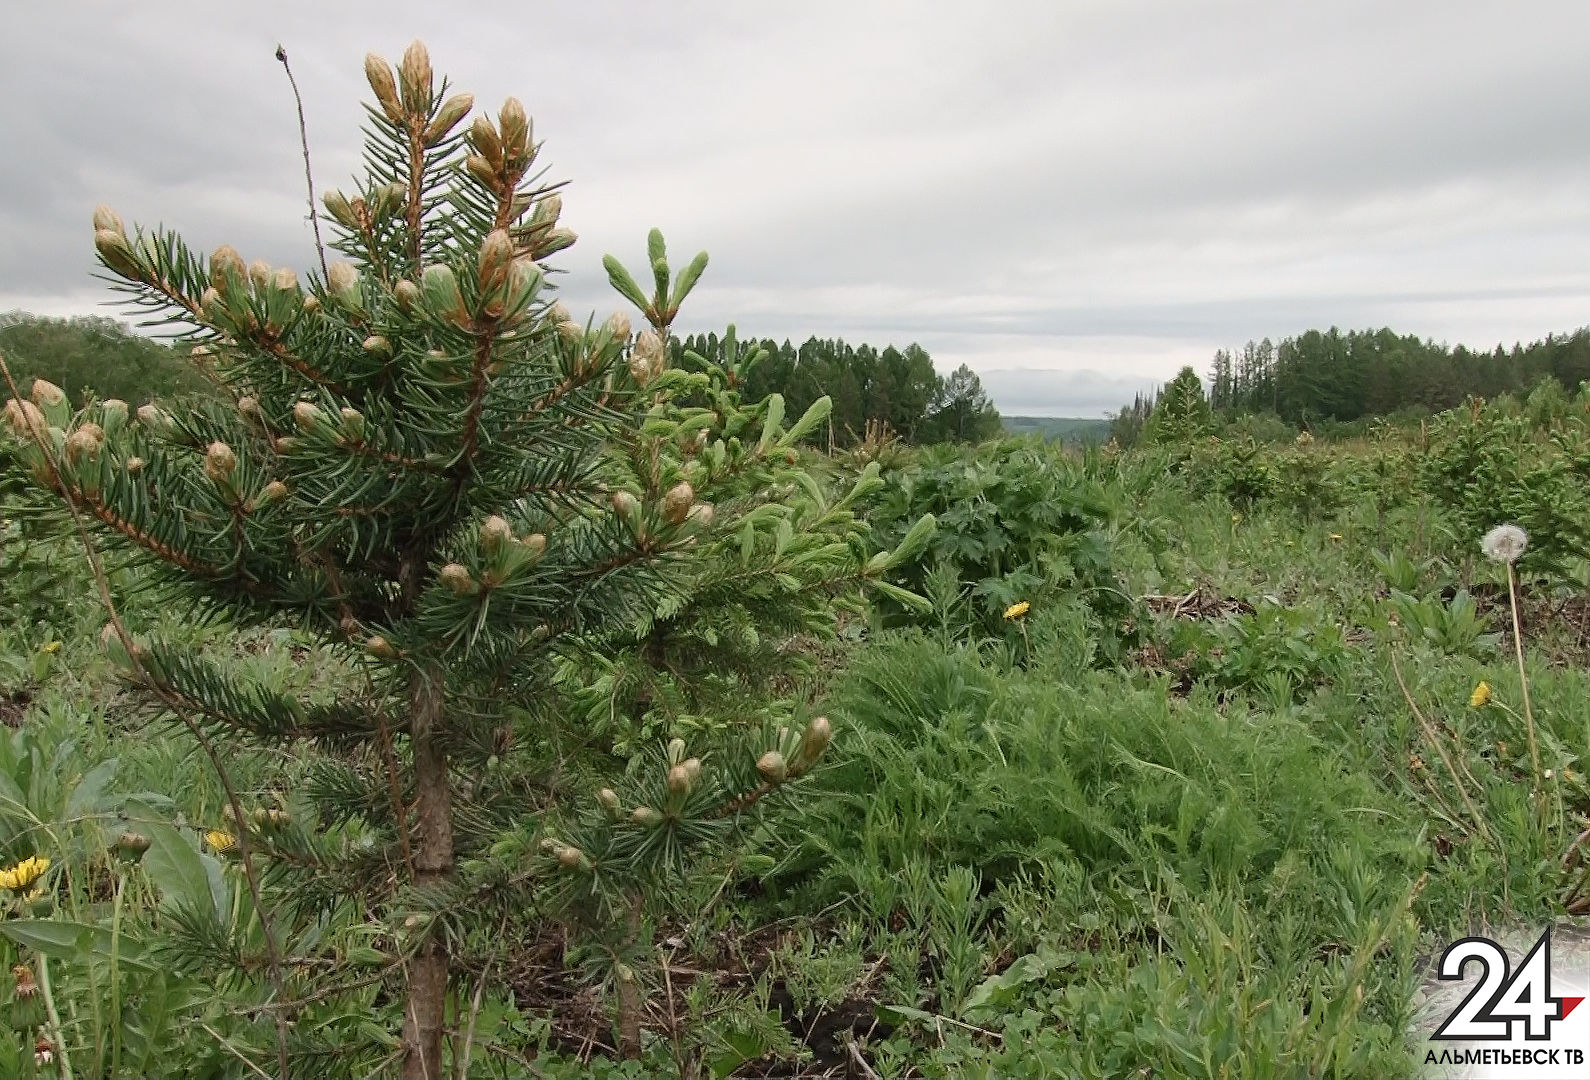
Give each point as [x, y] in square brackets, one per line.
[219, 841]
[1481, 696]
[1018, 609]
[24, 873]
[50, 647]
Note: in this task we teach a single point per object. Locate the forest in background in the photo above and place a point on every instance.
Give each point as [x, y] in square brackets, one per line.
[1330, 378]
[897, 388]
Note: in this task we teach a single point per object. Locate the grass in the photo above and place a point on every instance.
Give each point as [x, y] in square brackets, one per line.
[1230, 856]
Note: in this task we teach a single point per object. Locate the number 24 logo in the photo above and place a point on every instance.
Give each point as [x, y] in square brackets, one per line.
[1486, 1014]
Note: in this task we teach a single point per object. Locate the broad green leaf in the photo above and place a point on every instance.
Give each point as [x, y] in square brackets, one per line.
[174, 865]
[53, 937]
[86, 796]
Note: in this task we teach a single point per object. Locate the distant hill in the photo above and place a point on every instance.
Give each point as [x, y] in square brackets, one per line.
[1071, 429]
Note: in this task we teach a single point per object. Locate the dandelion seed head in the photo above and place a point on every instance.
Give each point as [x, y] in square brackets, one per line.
[1505, 543]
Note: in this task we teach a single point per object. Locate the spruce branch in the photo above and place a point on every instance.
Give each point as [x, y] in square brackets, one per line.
[250, 874]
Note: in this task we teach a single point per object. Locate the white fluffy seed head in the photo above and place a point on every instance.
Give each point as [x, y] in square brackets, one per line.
[1505, 543]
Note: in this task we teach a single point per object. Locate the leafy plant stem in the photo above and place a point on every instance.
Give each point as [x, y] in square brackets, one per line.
[63, 1063]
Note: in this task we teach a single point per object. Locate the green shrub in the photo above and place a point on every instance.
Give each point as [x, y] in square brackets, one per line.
[94, 355]
[1016, 521]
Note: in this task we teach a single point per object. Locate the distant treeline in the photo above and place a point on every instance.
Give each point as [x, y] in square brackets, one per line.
[1079, 430]
[1330, 375]
[1330, 378]
[895, 387]
[92, 354]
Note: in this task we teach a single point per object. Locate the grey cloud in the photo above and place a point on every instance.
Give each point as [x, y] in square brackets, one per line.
[1043, 187]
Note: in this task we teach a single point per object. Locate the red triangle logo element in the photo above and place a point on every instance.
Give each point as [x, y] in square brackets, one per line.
[1569, 1005]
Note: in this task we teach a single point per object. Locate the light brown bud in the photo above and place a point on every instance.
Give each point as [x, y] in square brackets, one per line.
[496, 253]
[85, 443]
[376, 343]
[484, 171]
[677, 503]
[225, 264]
[515, 126]
[645, 357]
[452, 111]
[156, 419]
[219, 461]
[134, 465]
[259, 272]
[311, 303]
[340, 209]
[676, 751]
[342, 278]
[352, 424]
[115, 414]
[457, 579]
[556, 240]
[609, 800]
[117, 253]
[483, 137]
[814, 741]
[211, 305]
[107, 219]
[308, 415]
[645, 816]
[407, 293]
[379, 647]
[248, 405]
[570, 857]
[692, 768]
[772, 767]
[558, 314]
[494, 533]
[535, 544]
[625, 505]
[46, 395]
[414, 73]
[700, 515]
[274, 491]
[284, 280]
[617, 327]
[678, 780]
[379, 73]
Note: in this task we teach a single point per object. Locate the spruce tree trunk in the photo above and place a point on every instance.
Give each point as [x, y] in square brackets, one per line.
[424, 1014]
[630, 1004]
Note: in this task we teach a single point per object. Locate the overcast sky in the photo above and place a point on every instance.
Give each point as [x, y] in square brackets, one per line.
[1074, 198]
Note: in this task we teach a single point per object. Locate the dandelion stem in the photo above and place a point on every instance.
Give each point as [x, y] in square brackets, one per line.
[1523, 679]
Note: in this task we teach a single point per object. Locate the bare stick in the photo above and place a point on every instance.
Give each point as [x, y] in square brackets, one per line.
[861, 1062]
[1440, 749]
[309, 181]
